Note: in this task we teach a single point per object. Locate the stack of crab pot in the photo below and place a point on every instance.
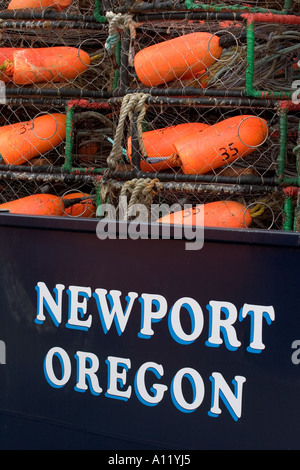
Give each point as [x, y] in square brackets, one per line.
[214, 109]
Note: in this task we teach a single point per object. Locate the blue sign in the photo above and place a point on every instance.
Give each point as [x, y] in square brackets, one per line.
[142, 344]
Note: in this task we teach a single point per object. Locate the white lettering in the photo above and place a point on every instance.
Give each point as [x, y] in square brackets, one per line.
[157, 390]
[148, 315]
[185, 319]
[65, 367]
[44, 298]
[196, 316]
[115, 378]
[85, 373]
[76, 307]
[233, 401]
[217, 324]
[116, 313]
[257, 314]
[197, 384]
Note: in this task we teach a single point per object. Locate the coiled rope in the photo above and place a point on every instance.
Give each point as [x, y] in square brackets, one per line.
[132, 103]
[137, 191]
[117, 22]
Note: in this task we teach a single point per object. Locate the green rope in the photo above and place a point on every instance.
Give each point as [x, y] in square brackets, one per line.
[296, 151]
[97, 13]
[69, 139]
[250, 35]
[296, 226]
[287, 5]
[189, 4]
[283, 144]
[98, 196]
[288, 211]
[118, 62]
[289, 181]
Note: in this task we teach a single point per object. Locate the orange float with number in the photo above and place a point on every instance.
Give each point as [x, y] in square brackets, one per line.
[23, 4]
[23, 141]
[159, 145]
[182, 57]
[85, 208]
[45, 64]
[222, 214]
[221, 143]
[36, 204]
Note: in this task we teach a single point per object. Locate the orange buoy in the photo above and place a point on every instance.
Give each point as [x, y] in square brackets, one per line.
[25, 140]
[85, 208]
[36, 204]
[45, 64]
[22, 4]
[159, 145]
[223, 214]
[184, 56]
[221, 143]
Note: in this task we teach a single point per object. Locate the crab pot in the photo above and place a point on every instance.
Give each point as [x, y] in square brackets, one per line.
[226, 206]
[32, 133]
[48, 194]
[55, 56]
[211, 53]
[215, 154]
[92, 129]
[237, 206]
[273, 68]
[68, 7]
[69, 135]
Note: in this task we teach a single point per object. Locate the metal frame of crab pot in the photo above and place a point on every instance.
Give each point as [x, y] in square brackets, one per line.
[243, 184]
[134, 6]
[283, 108]
[250, 19]
[66, 150]
[55, 30]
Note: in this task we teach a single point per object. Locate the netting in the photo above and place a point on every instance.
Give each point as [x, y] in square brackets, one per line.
[234, 57]
[271, 157]
[54, 55]
[87, 119]
[69, 7]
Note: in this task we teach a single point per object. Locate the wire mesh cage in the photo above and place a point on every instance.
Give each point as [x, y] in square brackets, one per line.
[206, 139]
[92, 127]
[68, 7]
[44, 194]
[230, 206]
[77, 137]
[32, 133]
[56, 55]
[56, 135]
[193, 56]
[151, 138]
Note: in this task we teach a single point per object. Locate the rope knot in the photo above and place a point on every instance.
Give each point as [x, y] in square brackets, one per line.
[137, 191]
[118, 22]
[135, 102]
